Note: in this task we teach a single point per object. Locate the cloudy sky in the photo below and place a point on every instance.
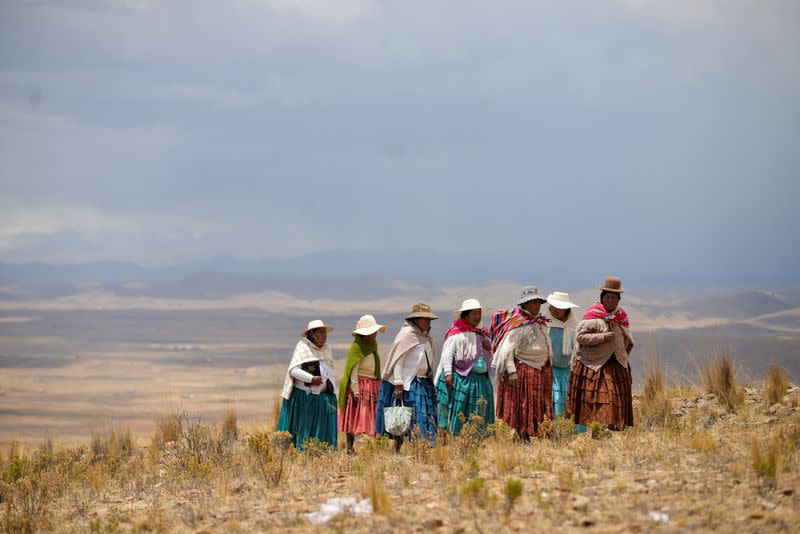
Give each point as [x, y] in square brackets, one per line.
[623, 135]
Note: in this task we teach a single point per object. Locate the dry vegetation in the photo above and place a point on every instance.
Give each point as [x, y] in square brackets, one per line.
[720, 459]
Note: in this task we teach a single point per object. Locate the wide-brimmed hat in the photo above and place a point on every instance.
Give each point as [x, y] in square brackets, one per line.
[421, 310]
[469, 304]
[530, 293]
[612, 284]
[560, 300]
[367, 325]
[313, 325]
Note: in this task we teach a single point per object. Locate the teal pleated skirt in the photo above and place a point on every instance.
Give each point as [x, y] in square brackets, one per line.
[309, 417]
[463, 398]
[560, 384]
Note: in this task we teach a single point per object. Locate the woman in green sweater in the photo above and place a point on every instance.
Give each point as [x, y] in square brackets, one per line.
[361, 382]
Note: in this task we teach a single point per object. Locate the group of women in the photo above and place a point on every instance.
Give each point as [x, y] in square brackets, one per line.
[532, 365]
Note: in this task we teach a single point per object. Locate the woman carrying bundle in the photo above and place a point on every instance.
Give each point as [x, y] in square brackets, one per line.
[361, 382]
[600, 382]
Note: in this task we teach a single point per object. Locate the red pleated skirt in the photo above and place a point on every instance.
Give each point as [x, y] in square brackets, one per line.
[602, 396]
[358, 415]
[524, 404]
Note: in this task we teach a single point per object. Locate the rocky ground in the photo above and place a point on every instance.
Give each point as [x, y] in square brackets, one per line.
[702, 467]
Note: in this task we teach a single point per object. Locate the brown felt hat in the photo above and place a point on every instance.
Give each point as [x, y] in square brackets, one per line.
[613, 285]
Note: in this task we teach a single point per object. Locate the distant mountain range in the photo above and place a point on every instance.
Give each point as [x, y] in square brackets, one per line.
[426, 265]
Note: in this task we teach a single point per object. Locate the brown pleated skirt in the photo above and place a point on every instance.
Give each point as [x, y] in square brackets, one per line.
[524, 404]
[602, 396]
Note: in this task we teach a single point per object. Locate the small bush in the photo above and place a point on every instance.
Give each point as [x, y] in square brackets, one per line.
[472, 434]
[474, 491]
[169, 427]
[111, 444]
[719, 377]
[27, 504]
[273, 457]
[776, 385]
[512, 490]
[598, 430]
[560, 430]
[500, 432]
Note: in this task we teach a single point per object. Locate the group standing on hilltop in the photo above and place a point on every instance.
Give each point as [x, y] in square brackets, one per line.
[531, 366]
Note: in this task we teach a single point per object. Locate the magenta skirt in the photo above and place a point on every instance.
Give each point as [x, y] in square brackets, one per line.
[358, 415]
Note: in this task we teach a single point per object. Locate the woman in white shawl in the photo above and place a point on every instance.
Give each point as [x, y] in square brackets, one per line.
[463, 377]
[562, 322]
[407, 376]
[309, 406]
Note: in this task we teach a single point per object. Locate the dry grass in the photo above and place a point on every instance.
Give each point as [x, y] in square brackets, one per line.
[374, 489]
[655, 407]
[766, 459]
[775, 385]
[230, 427]
[719, 377]
[726, 472]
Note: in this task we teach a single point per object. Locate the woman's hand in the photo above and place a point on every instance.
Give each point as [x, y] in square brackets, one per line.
[512, 377]
[355, 395]
[317, 380]
[398, 392]
[486, 344]
[448, 380]
[608, 336]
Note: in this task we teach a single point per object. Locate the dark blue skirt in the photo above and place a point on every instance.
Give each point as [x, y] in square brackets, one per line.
[421, 396]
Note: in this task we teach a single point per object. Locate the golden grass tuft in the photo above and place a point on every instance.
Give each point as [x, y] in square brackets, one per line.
[775, 385]
[168, 427]
[655, 408]
[719, 377]
[703, 442]
[441, 455]
[277, 402]
[374, 489]
[112, 444]
[505, 458]
[229, 432]
[766, 462]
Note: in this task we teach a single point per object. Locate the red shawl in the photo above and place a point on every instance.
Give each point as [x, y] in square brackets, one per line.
[460, 325]
[598, 311]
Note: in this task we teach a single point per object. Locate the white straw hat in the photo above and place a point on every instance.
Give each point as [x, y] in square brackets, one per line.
[313, 325]
[469, 304]
[560, 300]
[530, 293]
[367, 326]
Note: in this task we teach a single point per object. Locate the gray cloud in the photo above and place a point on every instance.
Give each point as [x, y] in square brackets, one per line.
[272, 128]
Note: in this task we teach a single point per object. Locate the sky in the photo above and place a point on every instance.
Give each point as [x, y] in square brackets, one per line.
[614, 136]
